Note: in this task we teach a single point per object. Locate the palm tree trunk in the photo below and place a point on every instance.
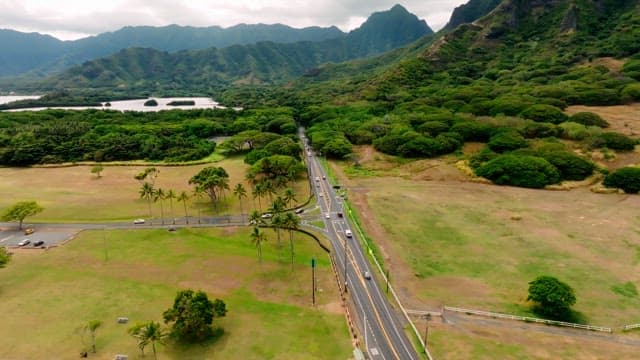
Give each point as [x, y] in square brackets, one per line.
[153, 347]
[161, 212]
[173, 218]
[149, 204]
[186, 216]
[291, 245]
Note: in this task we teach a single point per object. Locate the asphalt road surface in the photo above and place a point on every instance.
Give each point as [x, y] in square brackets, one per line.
[383, 332]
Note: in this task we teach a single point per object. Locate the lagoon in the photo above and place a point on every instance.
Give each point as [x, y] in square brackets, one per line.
[128, 105]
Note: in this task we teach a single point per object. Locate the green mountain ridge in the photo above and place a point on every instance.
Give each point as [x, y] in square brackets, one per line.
[40, 55]
[138, 69]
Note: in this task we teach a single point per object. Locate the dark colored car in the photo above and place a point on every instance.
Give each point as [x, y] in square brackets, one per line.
[38, 243]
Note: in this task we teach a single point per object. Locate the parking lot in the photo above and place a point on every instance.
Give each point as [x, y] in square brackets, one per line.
[10, 237]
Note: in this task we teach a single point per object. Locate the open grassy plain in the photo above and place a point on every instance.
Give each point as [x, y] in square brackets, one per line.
[46, 295]
[450, 241]
[74, 194]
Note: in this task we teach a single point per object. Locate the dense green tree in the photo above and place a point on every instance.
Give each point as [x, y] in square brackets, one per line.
[192, 315]
[211, 181]
[524, 171]
[21, 210]
[551, 296]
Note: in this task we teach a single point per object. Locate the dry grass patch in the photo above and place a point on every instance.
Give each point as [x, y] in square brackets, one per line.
[73, 194]
[624, 119]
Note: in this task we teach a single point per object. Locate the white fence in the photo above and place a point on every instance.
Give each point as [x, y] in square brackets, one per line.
[630, 327]
[529, 319]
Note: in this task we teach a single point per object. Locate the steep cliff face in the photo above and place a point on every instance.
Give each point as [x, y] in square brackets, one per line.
[470, 12]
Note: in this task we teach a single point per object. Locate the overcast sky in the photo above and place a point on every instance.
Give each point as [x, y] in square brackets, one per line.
[72, 19]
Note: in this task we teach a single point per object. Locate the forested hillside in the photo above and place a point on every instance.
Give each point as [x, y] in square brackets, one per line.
[39, 55]
[138, 69]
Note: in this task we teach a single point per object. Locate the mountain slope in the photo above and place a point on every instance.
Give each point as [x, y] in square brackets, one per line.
[262, 63]
[526, 46]
[45, 54]
[470, 12]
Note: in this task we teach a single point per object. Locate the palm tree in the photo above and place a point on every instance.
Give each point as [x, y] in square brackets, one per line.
[257, 238]
[149, 333]
[147, 192]
[160, 195]
[277, 221]
[289, 196]
[239, 191]
[92, 326]
[255, 218]
[258, 192]
[184, 197]
[291, 223]
[269, 188]
[171, 195]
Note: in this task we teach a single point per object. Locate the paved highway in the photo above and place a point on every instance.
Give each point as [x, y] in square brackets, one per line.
[384, 336]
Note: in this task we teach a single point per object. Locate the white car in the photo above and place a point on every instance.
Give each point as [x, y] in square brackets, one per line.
[327, 216]
[138, 221]
[367, 275]
[24, 242]
[267, 216]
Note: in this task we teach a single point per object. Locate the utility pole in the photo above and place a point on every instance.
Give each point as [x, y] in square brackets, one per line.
[345, 264]
[426, 331]
[104, 243]
[313, 281]
[387, 281]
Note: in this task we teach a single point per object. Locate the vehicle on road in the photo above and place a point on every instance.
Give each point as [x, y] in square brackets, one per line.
[348, 233]
[324, 177]
[138, 221]
[340, 214]
[299, 211]
[321, 194]
[24, 242]
[317, 178]
[367, 275]
[38, 243]
[267, 216]
[327, 216]
[28, 231]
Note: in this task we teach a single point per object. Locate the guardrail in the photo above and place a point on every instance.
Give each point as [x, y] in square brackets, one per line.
[630, 327]
[529, 319]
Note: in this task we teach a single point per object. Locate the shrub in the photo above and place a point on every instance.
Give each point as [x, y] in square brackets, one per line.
[524, 171]
[553, 298]
[574, 131]
[544, 113]
[540, 130]
[482, 157]
[626, 178]
[433, 128]
[588, 119]
[473, 131]
[618, 141]
[631, 93]
[506, 141]
[632, 69]
[570, 165]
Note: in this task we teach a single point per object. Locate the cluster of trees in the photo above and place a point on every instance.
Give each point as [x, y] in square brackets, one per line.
[55, 136]
[188, 321]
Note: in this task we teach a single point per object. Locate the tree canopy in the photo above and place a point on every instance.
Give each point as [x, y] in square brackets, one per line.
[21, 210]
[552, 297]
[192, 315]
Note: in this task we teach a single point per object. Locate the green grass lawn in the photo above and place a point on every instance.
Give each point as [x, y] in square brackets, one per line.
[46, 296]
[465, 248]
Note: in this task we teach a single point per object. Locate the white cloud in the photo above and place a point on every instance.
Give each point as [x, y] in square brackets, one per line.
[70, 19]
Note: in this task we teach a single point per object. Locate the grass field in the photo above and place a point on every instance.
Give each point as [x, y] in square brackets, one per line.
[450, 241]
[47, 295]
[73, 194]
